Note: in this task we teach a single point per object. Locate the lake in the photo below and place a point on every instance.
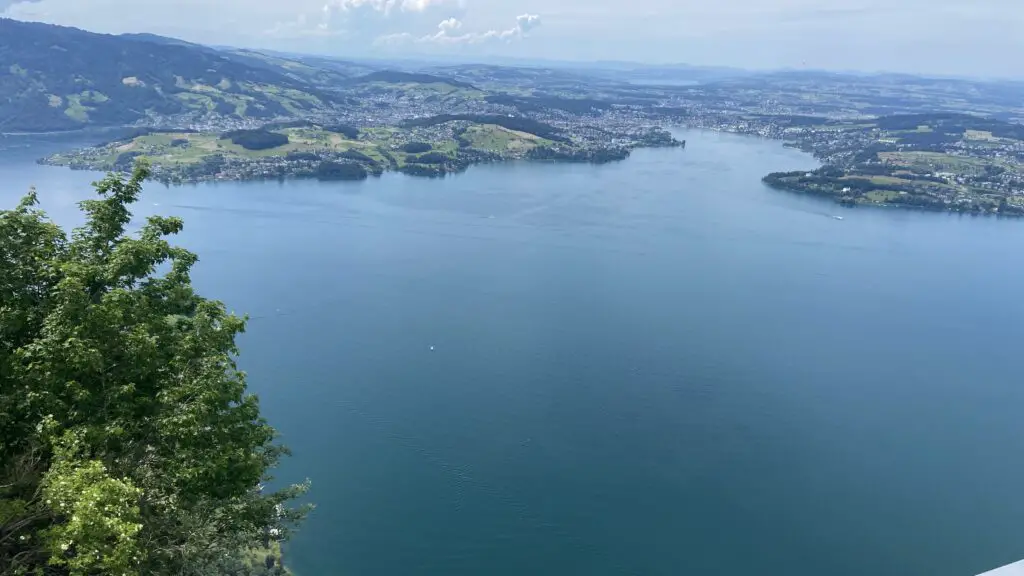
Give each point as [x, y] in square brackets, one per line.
[653, 367]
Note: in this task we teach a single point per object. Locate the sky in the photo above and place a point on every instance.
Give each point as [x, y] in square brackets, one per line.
[979, 38]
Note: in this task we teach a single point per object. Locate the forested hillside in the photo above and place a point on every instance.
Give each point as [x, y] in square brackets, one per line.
[58, 78]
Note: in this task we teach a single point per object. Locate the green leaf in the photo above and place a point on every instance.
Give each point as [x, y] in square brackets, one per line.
[126, 431]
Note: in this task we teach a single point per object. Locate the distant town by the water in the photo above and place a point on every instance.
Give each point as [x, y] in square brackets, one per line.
[941, 144]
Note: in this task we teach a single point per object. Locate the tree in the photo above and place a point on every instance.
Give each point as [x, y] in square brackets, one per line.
[328, 170]
[256, 139]
[128, 443]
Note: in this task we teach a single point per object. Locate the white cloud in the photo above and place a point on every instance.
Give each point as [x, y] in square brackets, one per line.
[5, 4]
[366, 18]
[448, 33]
[384, 6]
[300, 27]
[527, 22]
[979, 37]
[450, 25]
[423, 5]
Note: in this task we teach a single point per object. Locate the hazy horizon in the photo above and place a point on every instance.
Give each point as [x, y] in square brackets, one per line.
[936, 38]
[607, 65]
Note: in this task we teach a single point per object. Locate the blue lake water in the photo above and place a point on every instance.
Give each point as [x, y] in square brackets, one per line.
[653, 367]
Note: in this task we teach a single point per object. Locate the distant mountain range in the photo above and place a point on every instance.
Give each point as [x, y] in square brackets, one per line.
[395, 77]
[56, 78]
[59, 78]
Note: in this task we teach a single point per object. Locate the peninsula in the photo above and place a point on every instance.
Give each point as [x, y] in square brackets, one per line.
[201, 113]
[948, 162]
[301, 149]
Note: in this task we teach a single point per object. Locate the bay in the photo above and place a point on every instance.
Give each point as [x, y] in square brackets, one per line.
[655, 367]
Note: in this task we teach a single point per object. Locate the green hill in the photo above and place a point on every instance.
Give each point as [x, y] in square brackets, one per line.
[58, 78]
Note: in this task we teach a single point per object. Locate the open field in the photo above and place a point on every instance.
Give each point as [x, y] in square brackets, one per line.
[500, 139]
[882, 196]
[939, 162]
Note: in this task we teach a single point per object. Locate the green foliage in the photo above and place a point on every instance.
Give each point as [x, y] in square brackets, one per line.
[341, 171]
[416, 147]
[128, 443]
[358, 156]
[566, 154]
[256, 139]
[99, 515]
[517, 123]
[350, 132]
[429, 158]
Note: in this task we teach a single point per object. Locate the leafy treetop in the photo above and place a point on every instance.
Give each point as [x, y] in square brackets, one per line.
[128, 443]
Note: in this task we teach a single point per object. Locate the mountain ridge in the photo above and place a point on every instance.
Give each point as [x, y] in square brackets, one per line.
[106, 80]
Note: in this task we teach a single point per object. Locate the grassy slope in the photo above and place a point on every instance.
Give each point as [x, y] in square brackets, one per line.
[159, 149]
[63, 78]
[501, 140]
[942, 162]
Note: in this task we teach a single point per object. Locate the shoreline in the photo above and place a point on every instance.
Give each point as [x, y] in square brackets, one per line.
[458, 164]
[84, 130]
[891, 205]
[191, 158]
[428, 174]
[852, 182]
